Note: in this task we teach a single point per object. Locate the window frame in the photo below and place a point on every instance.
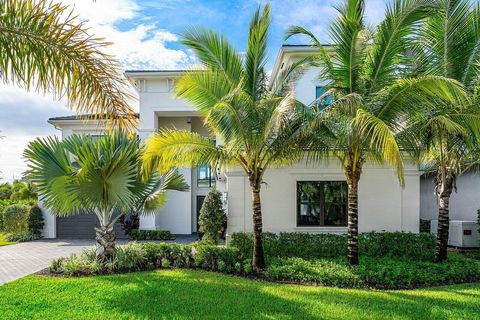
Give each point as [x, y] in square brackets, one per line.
[211, 177]
[321, 224]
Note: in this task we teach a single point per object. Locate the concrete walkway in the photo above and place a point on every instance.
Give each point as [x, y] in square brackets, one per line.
[19, 260]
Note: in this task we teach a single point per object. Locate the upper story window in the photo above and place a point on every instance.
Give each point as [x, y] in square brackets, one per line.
[319, 91]
[322, 203]
[205, 176]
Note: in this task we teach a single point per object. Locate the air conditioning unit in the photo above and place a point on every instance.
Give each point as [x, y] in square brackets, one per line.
[462, 234]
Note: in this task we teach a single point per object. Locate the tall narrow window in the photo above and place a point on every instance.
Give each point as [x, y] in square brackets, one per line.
[205, 177]
[322, 203]
[319, 91]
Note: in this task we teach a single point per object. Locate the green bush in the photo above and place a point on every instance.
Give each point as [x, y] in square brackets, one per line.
[131, 257]
[7, 202]
[151, 235]
[20, 236]
[35, 221]
[15, 218]
[209, 257]
[324, 272]
[212, 218]
[375, 272]
[314, 246]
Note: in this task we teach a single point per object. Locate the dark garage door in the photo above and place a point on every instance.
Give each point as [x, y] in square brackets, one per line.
[81, 227]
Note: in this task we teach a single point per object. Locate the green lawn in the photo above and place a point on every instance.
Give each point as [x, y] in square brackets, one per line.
[4, 242]
[187, 294]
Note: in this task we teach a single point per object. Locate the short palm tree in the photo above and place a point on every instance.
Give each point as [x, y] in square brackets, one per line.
[253, 124]
[101, 177]
[371, 97]
[448, 45]
[44, 47]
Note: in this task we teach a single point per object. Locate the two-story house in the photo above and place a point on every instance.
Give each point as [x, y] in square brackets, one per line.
[303, 197]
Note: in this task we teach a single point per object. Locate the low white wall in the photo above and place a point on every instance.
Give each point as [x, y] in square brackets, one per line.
[463, 204]
[383, 204]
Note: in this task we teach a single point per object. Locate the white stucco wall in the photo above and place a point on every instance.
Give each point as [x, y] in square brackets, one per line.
[463, 204]
[383, 204]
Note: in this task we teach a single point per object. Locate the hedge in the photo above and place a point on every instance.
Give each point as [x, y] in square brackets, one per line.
[151, 235]
[313, 246]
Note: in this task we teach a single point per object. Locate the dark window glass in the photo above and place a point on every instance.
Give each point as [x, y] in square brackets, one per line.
[319, 91]
[322, 203]
[205, 178]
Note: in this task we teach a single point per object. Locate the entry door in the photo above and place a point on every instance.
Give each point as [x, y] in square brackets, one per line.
[200, 200]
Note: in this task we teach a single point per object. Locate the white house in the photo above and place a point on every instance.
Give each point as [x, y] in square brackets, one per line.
[383, 204]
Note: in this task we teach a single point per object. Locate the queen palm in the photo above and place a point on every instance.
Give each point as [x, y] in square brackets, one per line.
[448, 45]
[97, 176]
[44, 47]
[372, 99]
[253, 124]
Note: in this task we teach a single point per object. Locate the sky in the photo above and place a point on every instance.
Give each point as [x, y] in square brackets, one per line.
[145, 35]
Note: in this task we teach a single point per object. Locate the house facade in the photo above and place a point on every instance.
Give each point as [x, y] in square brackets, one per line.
[304, 197]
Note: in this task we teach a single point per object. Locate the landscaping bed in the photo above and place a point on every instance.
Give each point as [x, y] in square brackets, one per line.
[381, 264]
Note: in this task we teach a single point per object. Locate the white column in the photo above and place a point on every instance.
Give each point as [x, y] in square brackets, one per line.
[50, 226]
[148, 125]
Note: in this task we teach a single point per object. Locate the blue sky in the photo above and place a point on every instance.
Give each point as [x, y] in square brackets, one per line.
[146, 36]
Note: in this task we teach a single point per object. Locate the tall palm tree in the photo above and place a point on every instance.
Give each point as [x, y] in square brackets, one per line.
[371, 97]
[448, 45]
[44, 47]
[101, 177]
[254, 125]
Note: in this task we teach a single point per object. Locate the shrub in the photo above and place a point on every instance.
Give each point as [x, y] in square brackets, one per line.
[208, 256]
[324, 272]
[375, 272]
[314, 246]
[131, 257]
[20, 236]
[15, 218]
[212, 218]
[151, 235]
[35, 221]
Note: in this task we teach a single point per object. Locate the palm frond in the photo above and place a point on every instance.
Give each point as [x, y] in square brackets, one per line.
[44, 48]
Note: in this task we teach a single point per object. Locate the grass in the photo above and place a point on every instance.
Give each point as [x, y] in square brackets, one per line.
[187, 294]
[4, 242]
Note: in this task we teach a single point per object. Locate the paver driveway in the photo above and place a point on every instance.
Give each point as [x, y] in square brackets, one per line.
[19, 260]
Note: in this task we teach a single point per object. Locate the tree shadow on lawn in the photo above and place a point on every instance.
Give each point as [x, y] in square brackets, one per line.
[181, 294]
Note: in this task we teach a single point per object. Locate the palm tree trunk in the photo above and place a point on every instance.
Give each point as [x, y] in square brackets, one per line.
[444, 190]
[105, 237]
[352, 231]
[258, 254]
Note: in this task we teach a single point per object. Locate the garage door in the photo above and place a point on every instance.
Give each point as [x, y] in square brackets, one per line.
[81, 226]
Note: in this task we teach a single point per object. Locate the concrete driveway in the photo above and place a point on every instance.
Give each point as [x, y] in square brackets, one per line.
[19, 260]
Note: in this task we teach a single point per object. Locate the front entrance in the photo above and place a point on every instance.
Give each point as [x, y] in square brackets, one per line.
[200, 200]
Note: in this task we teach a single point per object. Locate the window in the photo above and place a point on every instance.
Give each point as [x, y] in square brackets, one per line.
[205, 177]
[322, 203]
[319, 91]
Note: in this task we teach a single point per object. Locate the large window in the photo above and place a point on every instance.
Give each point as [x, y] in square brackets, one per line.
[319, 91]
[322, 203]
[205, 177]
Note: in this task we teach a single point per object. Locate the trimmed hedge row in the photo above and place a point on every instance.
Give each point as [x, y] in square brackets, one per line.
[375, 272]
[313, 246]
[151, 235]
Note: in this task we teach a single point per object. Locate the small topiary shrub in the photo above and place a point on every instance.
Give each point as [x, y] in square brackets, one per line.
[15, 218]
[35, 221]
[151, 235]
[212, 218]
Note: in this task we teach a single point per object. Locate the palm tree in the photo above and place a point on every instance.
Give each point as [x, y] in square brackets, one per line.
[101, 177]
[44, 47]
[254, 124]
[371, 97]
[448, 45]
